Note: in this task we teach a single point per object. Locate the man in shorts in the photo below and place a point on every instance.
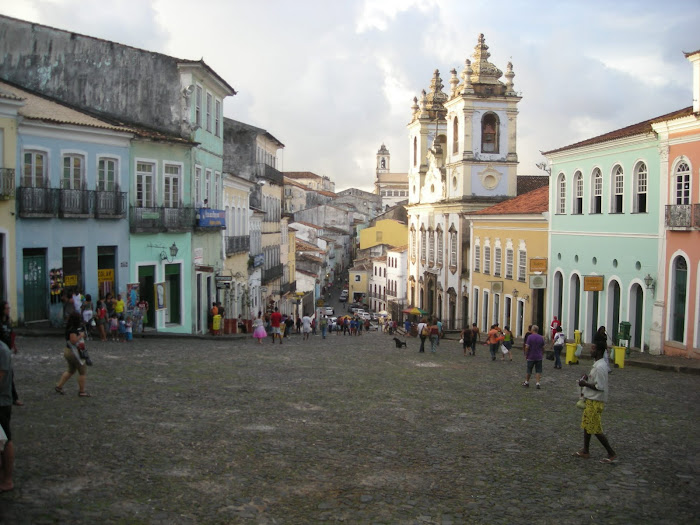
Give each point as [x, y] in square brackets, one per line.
[275, 322]
[8, 453]
[534, 351]
[595, 391]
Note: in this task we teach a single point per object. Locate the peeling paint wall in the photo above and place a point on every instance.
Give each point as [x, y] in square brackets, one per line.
[138, 86]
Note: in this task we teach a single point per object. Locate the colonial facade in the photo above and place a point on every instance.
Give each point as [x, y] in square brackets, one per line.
[462, 158]
[391, 187]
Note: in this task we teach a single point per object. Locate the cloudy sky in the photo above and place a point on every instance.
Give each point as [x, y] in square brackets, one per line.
[334, 79]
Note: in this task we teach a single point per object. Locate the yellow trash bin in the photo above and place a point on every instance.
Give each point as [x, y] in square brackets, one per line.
[571, 358]
[577, 337]
[620, 356]
[216, 323]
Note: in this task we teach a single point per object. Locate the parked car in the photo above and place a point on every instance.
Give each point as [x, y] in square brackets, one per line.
[329, 310]
[343, 298]
[365, 315]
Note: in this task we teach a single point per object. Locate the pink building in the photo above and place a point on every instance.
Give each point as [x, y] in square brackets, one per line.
[679, 142]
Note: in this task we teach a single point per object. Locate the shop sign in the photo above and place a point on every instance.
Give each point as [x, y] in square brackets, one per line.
[70, 280]
[538, 282]
[538, 264]
[593, 283]
[209, 218]
[199, 255]
[105, 275]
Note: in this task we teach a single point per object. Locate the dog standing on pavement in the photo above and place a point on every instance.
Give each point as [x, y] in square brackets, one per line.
[399, 343]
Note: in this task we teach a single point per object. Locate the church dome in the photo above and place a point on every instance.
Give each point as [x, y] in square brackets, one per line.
[383, 150]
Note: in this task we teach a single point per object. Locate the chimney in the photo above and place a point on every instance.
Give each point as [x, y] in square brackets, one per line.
[694, 58]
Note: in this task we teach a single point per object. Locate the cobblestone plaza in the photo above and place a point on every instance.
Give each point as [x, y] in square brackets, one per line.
[346, 429]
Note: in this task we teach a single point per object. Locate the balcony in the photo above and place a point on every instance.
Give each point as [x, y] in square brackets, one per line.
[288, 288]
[161, 219]
[209, 219]
[266, 171]
[7, 183]
[682, 217]
[110, 204]
[75, 203]
[270, 274]
[37, 202]
[237, 244]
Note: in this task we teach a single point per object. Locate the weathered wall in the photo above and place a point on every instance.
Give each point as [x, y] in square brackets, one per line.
[113, 79]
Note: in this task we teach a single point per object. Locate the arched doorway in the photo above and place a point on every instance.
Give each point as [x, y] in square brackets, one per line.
[574, 305]
[679, 293]
[593, 312]
[431, 296]
[636, 315]
[558, 295]
[439, 307]
[613, 321]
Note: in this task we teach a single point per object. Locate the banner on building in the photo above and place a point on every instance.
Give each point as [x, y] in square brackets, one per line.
[593, 283]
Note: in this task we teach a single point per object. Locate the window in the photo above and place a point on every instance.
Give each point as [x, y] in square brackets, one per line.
[357, 278]
[453, 249]
[497, 262]
[144, 184]
[489, 133]
[578, 196]
[217, 122]
[217, 190]
[682, 183]
[561, 194]
[431, 247]
[198, 186]
[597, 201]
[422, 246]
[73, 166]
[209, 112]
[640, 188]
[509, 263]
[522, 264]
[455, 136]
[106, 174]
[440, 250]
[198, 107]
[34, 173]
[487, 259]
[413, 243]
[171, 186]
[207, 187]
[618, 182]
[415, 151]
[477, 258]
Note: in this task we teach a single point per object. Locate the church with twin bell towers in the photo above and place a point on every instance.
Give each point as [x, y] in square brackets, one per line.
[462, 158]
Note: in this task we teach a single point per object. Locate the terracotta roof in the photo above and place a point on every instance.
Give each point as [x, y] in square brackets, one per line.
[528, 183]
[327, 239]
[381, 258]
[327, 193]
[301, 175]
[640, 128]
[46, 109]
[691, 53]
[310, 274]
[310, 225]
[393, 177]
[333, 229]
[533, 202]
[399, 248]
[309, 257]
[305, 246]
[292, 182]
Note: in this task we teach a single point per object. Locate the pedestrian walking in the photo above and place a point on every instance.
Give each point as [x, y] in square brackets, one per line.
[74, 344]
[306, 326]
[275, 322]
[507, 343]
[7, 336]
[8, 452]
[559, 341]
[407, 326]
[288, 325]
[423, 334]
[602, 336]
[494, 339]
[595, 392]
[101, 319]
[434, 336]
[259, 331]
[438, 322]
[476, 337]
[324, 326]
[298, 324]
[466, 339]
[534, 351]
[554, 325]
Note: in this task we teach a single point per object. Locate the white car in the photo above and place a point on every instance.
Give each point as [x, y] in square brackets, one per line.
[329, 310]
[364, 315]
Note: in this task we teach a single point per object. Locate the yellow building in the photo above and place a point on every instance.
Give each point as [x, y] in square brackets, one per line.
[358, 277]
[509, 248]
[9, 106]
[386, 231]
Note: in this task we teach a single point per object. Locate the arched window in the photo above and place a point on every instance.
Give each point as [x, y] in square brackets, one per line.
[455, 136]
[489, 133]
[440, 250]
[477, 258]
[678, 299]
[415, 151]
[618, 189]
[561, 194]
[640, 188]
[431, 247]
[413, 242]
[509, 263]
[497, 261]
[487, 259]
[597, 191]
[422, 245]
[682, 183]
[578, 193]
[453, 248]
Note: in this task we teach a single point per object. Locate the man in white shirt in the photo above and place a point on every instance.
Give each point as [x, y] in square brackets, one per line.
[595, 391]
[422, 326]
[306, 323]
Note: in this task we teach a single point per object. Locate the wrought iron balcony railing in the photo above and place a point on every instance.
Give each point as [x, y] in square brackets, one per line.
[268, 172]
[270, 274]
[76, 203]
[7, 183]
[110, 204]
[237, 244]
[52, 202]
[159, 219]
[37, 202]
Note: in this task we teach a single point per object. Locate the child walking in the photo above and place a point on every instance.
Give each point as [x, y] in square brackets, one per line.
[129, 329]
[113, 326]
[122, 329]
[259, 331]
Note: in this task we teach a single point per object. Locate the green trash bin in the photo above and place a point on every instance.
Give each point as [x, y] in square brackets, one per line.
[623, 334]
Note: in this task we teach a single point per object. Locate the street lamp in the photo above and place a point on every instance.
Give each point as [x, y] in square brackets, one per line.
[163, 256]
[649, 282]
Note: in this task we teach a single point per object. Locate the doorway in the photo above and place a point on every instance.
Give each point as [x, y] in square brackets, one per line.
[636, 315]
[35, 288]
[613, 310]
[146, 284]
[172, 300]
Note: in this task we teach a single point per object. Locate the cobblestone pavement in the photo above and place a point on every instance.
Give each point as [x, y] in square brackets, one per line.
[341, 430]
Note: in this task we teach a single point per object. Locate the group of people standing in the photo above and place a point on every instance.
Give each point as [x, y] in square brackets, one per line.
[429, 328]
